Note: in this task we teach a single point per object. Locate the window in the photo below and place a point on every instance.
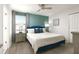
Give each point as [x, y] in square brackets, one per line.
[20, 23]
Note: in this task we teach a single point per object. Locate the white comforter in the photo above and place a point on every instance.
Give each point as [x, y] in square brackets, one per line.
[41, 39]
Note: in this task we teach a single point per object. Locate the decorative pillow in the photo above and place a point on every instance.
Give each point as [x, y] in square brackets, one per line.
[41, 30]
[38, 30]
[30, 30]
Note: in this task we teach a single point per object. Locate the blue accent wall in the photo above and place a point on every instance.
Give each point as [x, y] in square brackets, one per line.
[37, 20]
[34, 20]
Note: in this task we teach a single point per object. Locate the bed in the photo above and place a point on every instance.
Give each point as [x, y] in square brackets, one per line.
[44, 40]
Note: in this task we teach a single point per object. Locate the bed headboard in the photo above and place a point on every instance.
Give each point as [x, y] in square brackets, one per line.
[32, 27]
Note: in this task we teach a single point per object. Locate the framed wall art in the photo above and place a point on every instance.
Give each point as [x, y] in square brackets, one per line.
[56, 22]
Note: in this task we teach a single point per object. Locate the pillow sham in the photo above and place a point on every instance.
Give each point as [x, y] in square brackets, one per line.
[30, 30]
[44, 30]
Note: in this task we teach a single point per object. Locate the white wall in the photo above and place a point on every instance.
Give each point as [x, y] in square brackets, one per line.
[63, 27]
[7, 21]
[1, 24]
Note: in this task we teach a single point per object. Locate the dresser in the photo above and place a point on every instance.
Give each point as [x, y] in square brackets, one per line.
[20, 37]
[76, 42]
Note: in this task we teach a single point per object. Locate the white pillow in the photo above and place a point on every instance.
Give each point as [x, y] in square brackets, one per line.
[44, 30]
[30, 30]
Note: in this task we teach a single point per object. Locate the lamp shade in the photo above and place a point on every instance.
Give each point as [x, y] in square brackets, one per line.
[46, 25]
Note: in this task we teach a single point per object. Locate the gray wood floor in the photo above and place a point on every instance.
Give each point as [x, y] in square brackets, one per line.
[25, 48]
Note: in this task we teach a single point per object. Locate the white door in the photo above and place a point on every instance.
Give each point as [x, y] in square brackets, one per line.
[5, 28]
[74, 24]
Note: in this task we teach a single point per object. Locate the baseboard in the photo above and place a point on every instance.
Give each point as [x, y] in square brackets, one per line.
[4, 51]
[67, 41]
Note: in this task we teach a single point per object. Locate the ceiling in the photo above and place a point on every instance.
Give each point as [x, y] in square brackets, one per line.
[32, 8]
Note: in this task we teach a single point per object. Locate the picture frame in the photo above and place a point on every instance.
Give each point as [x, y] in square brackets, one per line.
[56, 22]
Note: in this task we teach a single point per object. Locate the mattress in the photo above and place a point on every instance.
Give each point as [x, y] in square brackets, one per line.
[42, 39]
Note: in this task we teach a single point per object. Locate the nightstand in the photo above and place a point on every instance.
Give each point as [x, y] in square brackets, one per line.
[20, 37]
